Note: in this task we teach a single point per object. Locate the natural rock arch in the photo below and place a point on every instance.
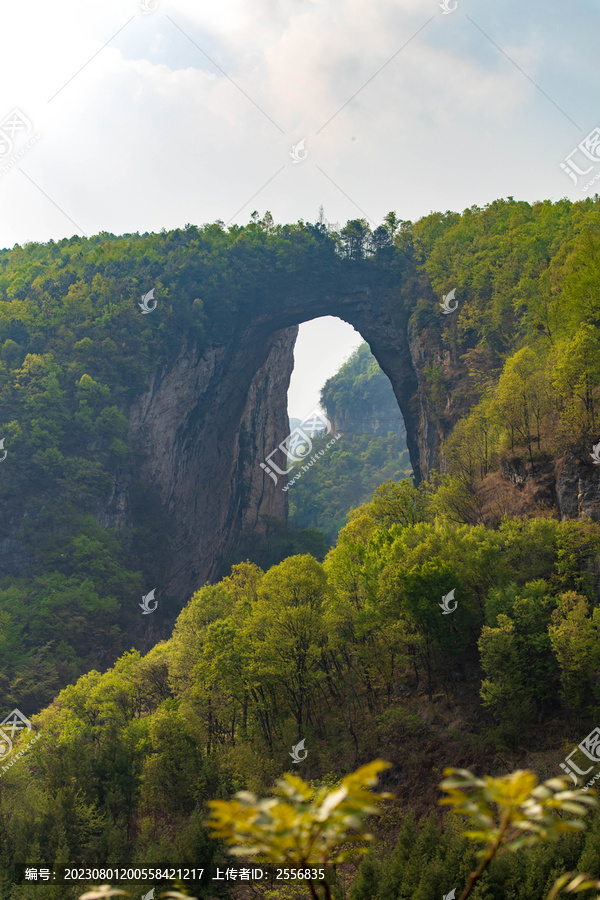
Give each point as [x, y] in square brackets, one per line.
[209, 419]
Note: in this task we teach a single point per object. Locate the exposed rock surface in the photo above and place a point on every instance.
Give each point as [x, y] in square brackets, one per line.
[568, 485]
[14, 556]
[376, 413]
[205, 424]
[578, 488]
[209, 419]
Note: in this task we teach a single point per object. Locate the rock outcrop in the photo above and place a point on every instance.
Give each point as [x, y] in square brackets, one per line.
[577, 488]
[210, 419]
[204, 425]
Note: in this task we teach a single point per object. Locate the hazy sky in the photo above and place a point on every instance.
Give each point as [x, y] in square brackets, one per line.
[134, 119]
[322, 346]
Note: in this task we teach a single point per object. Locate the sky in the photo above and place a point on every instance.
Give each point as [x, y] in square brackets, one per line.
[138, 115]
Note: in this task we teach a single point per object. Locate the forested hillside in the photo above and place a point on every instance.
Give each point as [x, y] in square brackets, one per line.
[454, 623]
[534, 366]
[355, 657]
[360, 404]
[74, 351]
[359, 399]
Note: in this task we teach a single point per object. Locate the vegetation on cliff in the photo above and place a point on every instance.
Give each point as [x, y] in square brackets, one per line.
[361, 655]
[75, 351]
[526, 330]
[356, 657]
[359, 402]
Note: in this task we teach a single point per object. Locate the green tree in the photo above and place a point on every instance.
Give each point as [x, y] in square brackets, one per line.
[302, 827]
[576, 379]
[399, 502]
[286, 632]
[354, 238]
[366, 884]
[511, 812]
[576, 645]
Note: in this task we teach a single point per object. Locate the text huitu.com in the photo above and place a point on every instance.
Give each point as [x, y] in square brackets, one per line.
[312, 460]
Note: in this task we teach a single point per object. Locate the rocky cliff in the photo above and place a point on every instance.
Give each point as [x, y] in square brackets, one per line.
[568, 485]
[359, 399]
[204, 426]
[383, 418]
[207, 419]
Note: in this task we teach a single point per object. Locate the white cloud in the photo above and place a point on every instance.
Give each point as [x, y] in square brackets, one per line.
[151, 133]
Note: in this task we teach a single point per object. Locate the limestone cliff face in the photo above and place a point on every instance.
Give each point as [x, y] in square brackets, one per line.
[438, 404]
[382, 419]
[210, 418]
[578, 488]
[428, 434]
[568, 486]
[374, 409]
[203, 427]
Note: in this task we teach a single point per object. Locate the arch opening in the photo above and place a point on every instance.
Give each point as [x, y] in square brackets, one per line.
[227, 410]
[337, 461]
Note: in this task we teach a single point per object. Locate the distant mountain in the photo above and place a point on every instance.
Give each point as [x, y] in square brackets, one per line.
[361, 405]
[359, 399]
